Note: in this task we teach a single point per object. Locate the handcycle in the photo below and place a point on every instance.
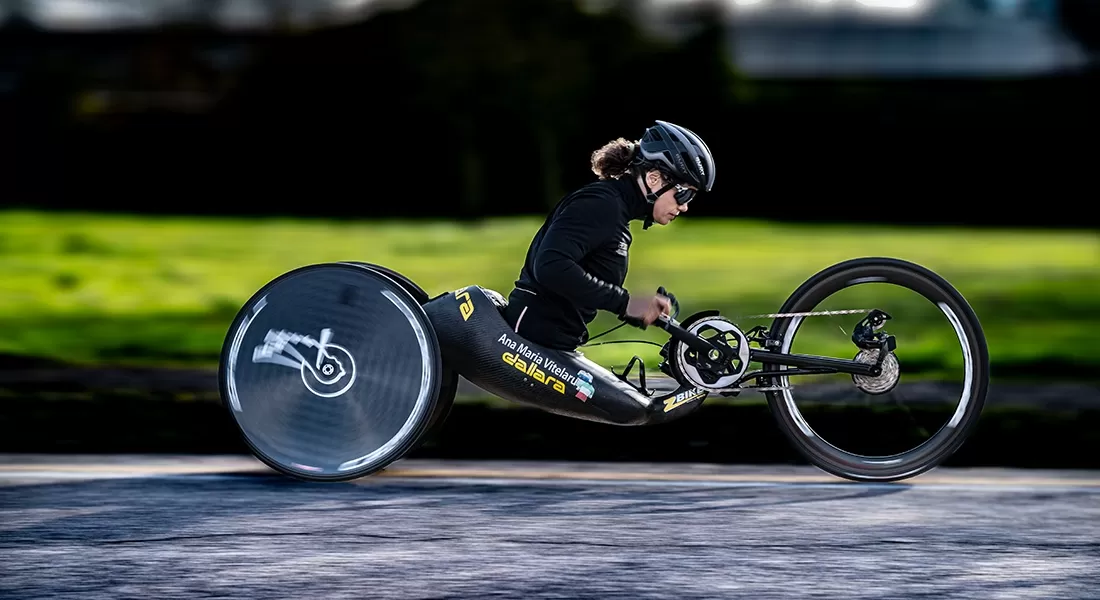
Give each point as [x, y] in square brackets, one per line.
[333, 371]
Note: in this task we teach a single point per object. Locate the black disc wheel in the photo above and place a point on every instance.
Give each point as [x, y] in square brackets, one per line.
[931, 389]
[331, 372]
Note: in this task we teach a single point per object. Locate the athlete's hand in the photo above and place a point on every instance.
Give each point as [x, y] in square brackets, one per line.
[648, 308]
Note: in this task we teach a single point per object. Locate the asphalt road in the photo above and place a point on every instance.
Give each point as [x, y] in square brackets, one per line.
[201, 527]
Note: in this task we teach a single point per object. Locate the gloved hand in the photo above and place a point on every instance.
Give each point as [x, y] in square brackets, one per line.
[642, 311]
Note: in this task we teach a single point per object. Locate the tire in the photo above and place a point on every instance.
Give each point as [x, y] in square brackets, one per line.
[941, 445]
[407, 284]
[364, 405]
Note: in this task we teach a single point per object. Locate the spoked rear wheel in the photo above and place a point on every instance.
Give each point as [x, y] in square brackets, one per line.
[331, 372]
[931, 389]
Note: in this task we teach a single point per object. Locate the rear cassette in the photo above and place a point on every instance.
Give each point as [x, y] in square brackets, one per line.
[883, 383]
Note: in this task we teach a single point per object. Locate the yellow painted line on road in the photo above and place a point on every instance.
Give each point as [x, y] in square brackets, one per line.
[152, 469]
[596, 475]
[718, 477]
[544, 474]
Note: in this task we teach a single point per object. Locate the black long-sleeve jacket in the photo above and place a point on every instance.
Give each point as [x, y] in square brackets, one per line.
[577, 263]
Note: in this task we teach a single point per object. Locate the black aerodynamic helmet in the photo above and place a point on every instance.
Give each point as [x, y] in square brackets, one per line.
[679, 152]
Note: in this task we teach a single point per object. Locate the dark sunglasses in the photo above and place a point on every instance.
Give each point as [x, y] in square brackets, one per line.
[683, 194]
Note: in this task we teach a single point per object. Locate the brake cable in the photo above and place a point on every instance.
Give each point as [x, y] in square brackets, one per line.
[624, 342]
[604, 333]
[588, 343]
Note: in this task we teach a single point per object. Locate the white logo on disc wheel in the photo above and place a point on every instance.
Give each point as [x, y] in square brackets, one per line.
[332, 372]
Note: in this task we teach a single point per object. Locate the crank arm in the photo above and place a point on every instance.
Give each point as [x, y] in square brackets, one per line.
[672, 326]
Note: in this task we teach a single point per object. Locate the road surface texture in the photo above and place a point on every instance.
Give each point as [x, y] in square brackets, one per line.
[203, 527]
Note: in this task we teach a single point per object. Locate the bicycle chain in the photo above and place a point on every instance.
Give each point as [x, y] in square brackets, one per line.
[816, 313]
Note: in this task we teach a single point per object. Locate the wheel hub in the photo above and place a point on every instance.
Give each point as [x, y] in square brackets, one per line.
[886, 380]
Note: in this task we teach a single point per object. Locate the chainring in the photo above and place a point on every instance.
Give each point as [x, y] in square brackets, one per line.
[684, 363]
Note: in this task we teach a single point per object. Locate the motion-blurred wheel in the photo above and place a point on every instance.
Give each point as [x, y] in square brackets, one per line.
[331, 372]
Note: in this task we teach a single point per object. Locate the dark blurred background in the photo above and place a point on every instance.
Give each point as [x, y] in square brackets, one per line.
[918, 111]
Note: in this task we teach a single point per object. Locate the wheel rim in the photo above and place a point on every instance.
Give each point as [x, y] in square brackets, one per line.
[331, 372]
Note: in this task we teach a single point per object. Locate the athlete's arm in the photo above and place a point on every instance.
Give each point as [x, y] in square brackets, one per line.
[581, 227]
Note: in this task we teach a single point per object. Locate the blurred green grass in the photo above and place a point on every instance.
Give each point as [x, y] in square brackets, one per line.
[96, 288]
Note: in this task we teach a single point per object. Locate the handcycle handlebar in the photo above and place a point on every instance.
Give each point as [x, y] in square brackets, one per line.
[661, 291]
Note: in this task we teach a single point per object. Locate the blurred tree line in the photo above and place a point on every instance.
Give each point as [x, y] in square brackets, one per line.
[465, 108]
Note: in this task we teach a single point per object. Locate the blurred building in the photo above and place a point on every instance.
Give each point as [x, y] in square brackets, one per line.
[770, 38]
[893, 38]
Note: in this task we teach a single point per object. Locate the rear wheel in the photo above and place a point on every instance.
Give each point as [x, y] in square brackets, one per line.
[331, 372]
[930, 393]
